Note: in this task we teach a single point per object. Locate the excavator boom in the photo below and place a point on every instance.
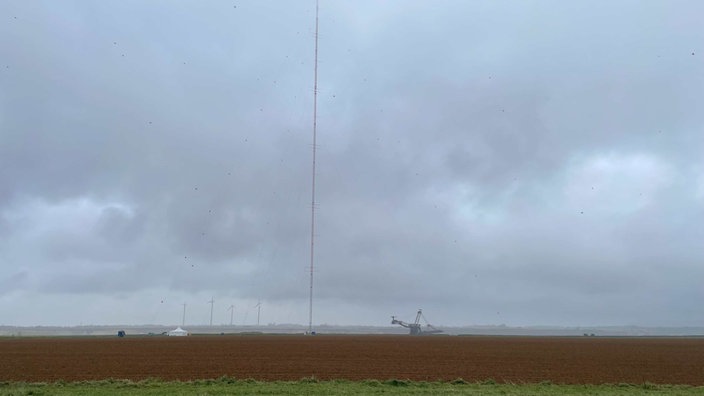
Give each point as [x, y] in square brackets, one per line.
[415, 328]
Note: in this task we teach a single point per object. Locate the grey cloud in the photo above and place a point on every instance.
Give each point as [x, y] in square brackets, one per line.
[491, 162]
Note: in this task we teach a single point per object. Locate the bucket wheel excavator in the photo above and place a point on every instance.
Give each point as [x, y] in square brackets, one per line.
[416, 328]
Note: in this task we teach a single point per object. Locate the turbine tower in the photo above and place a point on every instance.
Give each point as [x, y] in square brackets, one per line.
[232, 313]
[259, 310]
[183, 321]
[212, 303]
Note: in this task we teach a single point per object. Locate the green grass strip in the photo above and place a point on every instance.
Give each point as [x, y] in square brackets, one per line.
[231, 386]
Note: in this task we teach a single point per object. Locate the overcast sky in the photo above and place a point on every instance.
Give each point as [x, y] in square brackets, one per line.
[492, 162]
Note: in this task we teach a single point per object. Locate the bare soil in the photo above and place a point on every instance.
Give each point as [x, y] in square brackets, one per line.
[567, 360]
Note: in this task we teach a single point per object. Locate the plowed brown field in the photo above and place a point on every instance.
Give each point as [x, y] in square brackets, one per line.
[354, 357]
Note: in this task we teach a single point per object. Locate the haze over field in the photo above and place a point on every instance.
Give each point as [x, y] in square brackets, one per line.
[524, 163]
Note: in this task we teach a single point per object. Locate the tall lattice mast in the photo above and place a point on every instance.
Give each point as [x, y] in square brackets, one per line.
[312, 203]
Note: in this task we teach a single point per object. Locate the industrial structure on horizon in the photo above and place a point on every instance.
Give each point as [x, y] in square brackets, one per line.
[415, 327]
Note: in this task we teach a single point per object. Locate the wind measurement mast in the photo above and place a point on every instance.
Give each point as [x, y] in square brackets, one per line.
[312, 204]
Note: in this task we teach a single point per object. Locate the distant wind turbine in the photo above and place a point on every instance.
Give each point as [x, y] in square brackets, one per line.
[212, 303]
[183, 321]
[232, 313]
[259, 310]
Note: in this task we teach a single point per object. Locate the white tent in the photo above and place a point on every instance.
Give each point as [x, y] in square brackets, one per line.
[179, 332]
